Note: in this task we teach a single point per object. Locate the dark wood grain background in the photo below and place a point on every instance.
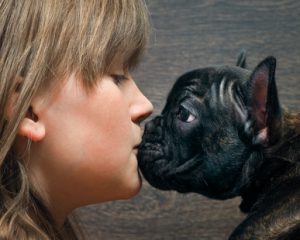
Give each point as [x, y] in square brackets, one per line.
[189, 34]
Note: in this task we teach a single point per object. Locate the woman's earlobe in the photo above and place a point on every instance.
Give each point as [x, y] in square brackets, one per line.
[31, 127]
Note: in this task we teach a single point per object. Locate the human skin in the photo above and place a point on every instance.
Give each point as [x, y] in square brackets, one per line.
[85, 143]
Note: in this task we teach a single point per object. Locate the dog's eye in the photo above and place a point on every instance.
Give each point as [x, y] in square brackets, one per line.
[185, 115]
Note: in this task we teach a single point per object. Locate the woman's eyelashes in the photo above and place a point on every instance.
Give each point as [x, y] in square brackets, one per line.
[119, 78]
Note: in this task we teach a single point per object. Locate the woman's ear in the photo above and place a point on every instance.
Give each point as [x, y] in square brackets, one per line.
[31, 127]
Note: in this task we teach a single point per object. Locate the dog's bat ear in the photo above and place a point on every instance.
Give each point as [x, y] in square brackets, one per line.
[264, 122]
[241, 61]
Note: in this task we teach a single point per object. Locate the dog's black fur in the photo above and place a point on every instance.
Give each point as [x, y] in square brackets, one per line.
[223, 134]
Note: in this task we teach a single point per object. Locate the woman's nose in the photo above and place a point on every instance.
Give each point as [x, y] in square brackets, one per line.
[141, 107]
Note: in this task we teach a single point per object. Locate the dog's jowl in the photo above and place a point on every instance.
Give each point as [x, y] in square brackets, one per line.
[223, 134]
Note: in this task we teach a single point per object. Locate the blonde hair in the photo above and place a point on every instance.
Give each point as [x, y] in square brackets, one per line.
[43, 42]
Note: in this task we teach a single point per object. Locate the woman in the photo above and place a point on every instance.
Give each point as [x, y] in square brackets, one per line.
[70, 110]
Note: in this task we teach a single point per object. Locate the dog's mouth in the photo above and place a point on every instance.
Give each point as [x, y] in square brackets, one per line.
[152, 163]
[152, 159]
[156, 162]
[163, 173]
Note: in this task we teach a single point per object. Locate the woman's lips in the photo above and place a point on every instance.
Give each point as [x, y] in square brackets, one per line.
[136, 147]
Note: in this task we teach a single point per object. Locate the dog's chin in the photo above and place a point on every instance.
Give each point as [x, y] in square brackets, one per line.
[165, 182]
[162, 182]
[157, 181]
[152, 165]
[157, 170]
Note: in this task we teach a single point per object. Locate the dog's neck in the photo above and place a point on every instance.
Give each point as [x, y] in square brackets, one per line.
[280, 163]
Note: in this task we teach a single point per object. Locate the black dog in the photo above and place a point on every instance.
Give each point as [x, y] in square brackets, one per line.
[223, 134]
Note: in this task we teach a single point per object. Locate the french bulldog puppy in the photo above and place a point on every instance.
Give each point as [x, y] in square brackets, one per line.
[223, 133]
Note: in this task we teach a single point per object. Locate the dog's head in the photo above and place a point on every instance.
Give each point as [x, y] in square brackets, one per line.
[213, 125]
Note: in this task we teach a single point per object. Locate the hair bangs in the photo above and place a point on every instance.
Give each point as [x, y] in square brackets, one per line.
[119, 36]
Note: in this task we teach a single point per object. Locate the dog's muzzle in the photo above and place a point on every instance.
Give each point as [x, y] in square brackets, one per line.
[152, 153]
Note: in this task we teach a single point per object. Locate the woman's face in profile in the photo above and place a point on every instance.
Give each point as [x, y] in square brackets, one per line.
[88, 154]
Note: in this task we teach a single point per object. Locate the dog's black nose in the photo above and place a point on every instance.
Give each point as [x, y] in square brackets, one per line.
[154, 125]
[159, 121]
[149, 126]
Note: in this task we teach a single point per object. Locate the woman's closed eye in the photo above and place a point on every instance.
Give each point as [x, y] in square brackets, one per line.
[119, 78]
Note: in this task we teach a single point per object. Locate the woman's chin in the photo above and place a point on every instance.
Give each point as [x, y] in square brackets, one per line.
[133, 188]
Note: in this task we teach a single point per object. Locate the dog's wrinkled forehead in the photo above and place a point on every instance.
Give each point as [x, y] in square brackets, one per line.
[198, 82]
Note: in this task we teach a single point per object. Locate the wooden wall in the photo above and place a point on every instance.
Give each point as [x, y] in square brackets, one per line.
[189, 34]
